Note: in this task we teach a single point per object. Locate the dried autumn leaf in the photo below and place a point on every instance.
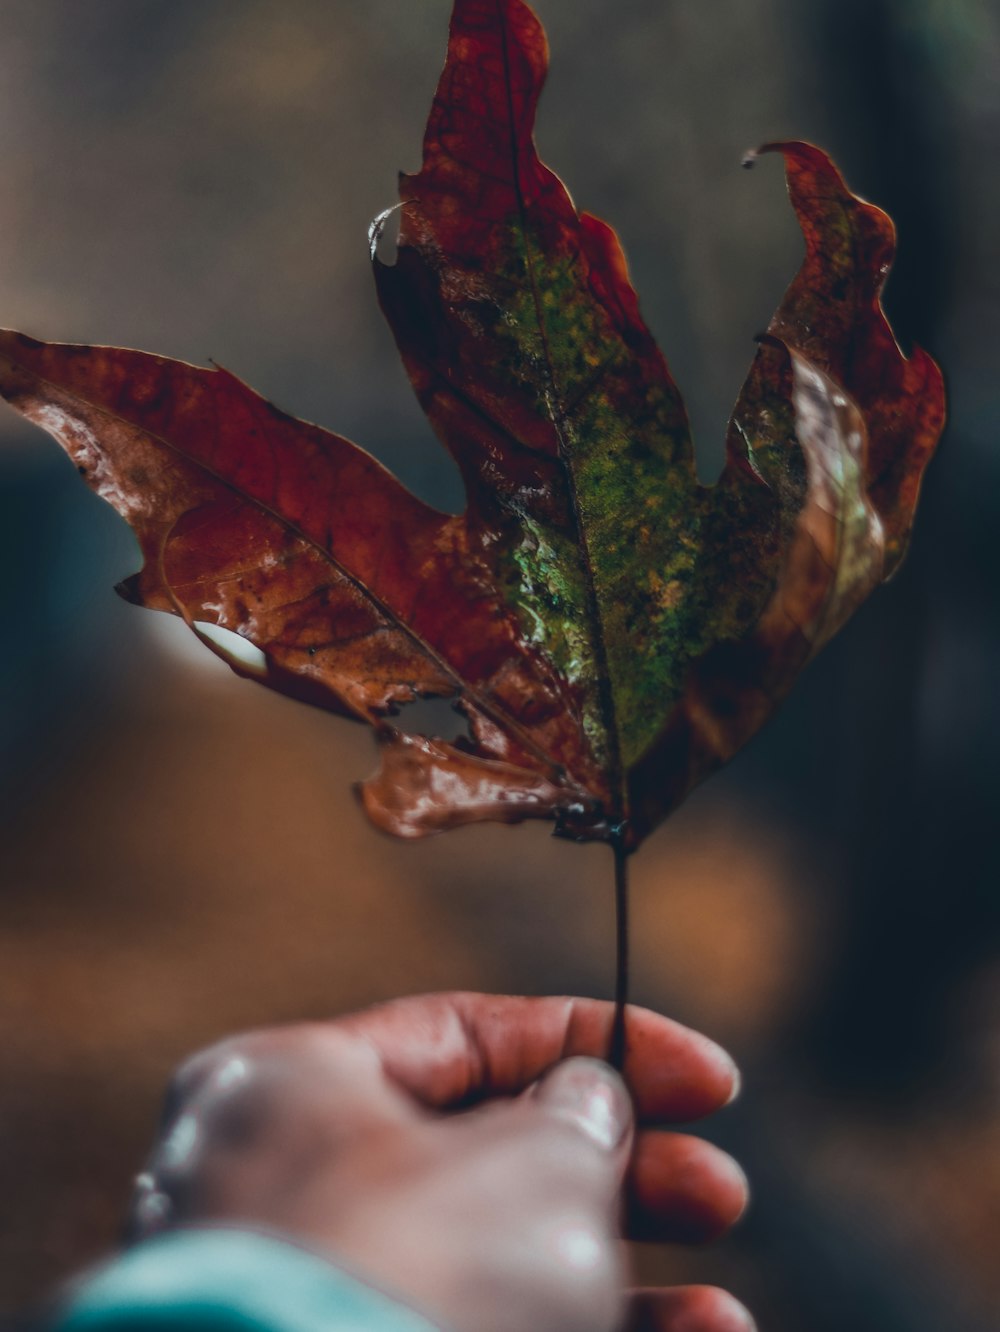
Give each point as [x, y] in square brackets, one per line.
[611, 629]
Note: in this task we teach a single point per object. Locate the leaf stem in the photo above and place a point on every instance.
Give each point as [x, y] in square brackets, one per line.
[616, 1052]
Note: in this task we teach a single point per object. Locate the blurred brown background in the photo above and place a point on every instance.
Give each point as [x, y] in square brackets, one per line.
[180, 854]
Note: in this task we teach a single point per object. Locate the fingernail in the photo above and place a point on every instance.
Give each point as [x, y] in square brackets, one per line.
[737, 1081]
[590, 1095]
[739, 1177]
[727, 1066]
[748, 1319]
[729, 1315]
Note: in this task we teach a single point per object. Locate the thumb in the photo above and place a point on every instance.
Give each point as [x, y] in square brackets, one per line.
[589, 1095]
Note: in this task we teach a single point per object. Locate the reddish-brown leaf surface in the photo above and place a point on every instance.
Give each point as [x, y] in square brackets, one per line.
[610, 628]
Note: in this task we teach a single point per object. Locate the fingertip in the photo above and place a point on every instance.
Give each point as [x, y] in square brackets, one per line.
[688, 1309]
[723, 1081]
[683, 1189]
[588, 1094]
[676, 1073]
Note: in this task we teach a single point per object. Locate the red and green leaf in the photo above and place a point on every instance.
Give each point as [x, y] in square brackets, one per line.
[611, 629]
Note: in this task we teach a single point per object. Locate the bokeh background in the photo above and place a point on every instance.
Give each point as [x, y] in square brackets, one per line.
[180, 855]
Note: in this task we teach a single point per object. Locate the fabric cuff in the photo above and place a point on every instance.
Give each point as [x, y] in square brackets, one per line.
[218, 1280]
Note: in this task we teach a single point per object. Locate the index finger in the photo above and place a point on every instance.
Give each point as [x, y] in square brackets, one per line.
[452, 1049]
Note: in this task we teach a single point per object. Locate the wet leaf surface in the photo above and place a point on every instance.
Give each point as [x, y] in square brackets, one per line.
[611, 629]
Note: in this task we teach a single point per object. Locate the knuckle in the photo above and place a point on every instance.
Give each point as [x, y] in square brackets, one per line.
[207, 1072]
[582, 1253]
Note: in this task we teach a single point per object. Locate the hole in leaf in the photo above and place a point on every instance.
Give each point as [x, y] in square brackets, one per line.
[383, 235]
[239, 652]
[434, 717]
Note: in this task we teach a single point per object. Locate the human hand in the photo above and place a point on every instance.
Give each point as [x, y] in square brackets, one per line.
[455, 1150]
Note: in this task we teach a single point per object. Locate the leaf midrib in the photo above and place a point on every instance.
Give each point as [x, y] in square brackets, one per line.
[604, 689]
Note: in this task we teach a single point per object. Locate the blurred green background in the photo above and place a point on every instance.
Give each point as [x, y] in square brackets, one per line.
[180, 854]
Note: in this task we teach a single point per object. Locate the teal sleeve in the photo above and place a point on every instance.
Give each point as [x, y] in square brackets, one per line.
[217, 1280]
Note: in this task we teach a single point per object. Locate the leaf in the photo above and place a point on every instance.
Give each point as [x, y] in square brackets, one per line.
[611, 629]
